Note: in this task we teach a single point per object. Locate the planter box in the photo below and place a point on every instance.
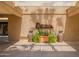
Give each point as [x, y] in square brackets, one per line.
[43, 39]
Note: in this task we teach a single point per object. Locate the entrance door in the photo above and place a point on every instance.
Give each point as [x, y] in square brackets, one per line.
[3, 28]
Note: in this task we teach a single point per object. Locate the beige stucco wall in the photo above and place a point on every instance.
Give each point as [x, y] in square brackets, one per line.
[26, 25]
[72, 29]
[14, 27]
[31, 16]
[72, 24]
[58, 22]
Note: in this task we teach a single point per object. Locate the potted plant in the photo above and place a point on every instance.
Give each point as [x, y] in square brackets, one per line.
[36, 37]
[52, 38]
[44, 37]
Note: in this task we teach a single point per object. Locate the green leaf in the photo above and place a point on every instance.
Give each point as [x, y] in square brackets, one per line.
[52, 38]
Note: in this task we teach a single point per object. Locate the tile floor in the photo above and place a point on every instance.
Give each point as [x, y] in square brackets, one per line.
[30, 49]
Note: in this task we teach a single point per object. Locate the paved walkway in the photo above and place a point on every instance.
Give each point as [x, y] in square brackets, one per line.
[22, 48]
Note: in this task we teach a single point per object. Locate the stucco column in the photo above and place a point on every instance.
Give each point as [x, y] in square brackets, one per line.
[14, 27]
[72, 29]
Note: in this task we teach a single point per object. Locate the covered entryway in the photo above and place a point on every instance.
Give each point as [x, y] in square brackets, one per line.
[12, 25]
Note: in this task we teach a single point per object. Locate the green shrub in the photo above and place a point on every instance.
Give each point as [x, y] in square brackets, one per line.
[40, 31]
[43, 33]
[52, 38]
[36, 37]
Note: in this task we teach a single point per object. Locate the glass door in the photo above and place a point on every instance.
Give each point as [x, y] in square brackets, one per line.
[3, 28]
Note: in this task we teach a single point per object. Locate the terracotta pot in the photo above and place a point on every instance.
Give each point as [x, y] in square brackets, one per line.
[43, 39]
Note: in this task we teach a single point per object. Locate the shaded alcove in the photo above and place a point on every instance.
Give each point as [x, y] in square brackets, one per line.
[14, 26]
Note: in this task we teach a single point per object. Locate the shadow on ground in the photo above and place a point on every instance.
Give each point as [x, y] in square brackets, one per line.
[4, 45]
[39, 54]
[40, 50]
